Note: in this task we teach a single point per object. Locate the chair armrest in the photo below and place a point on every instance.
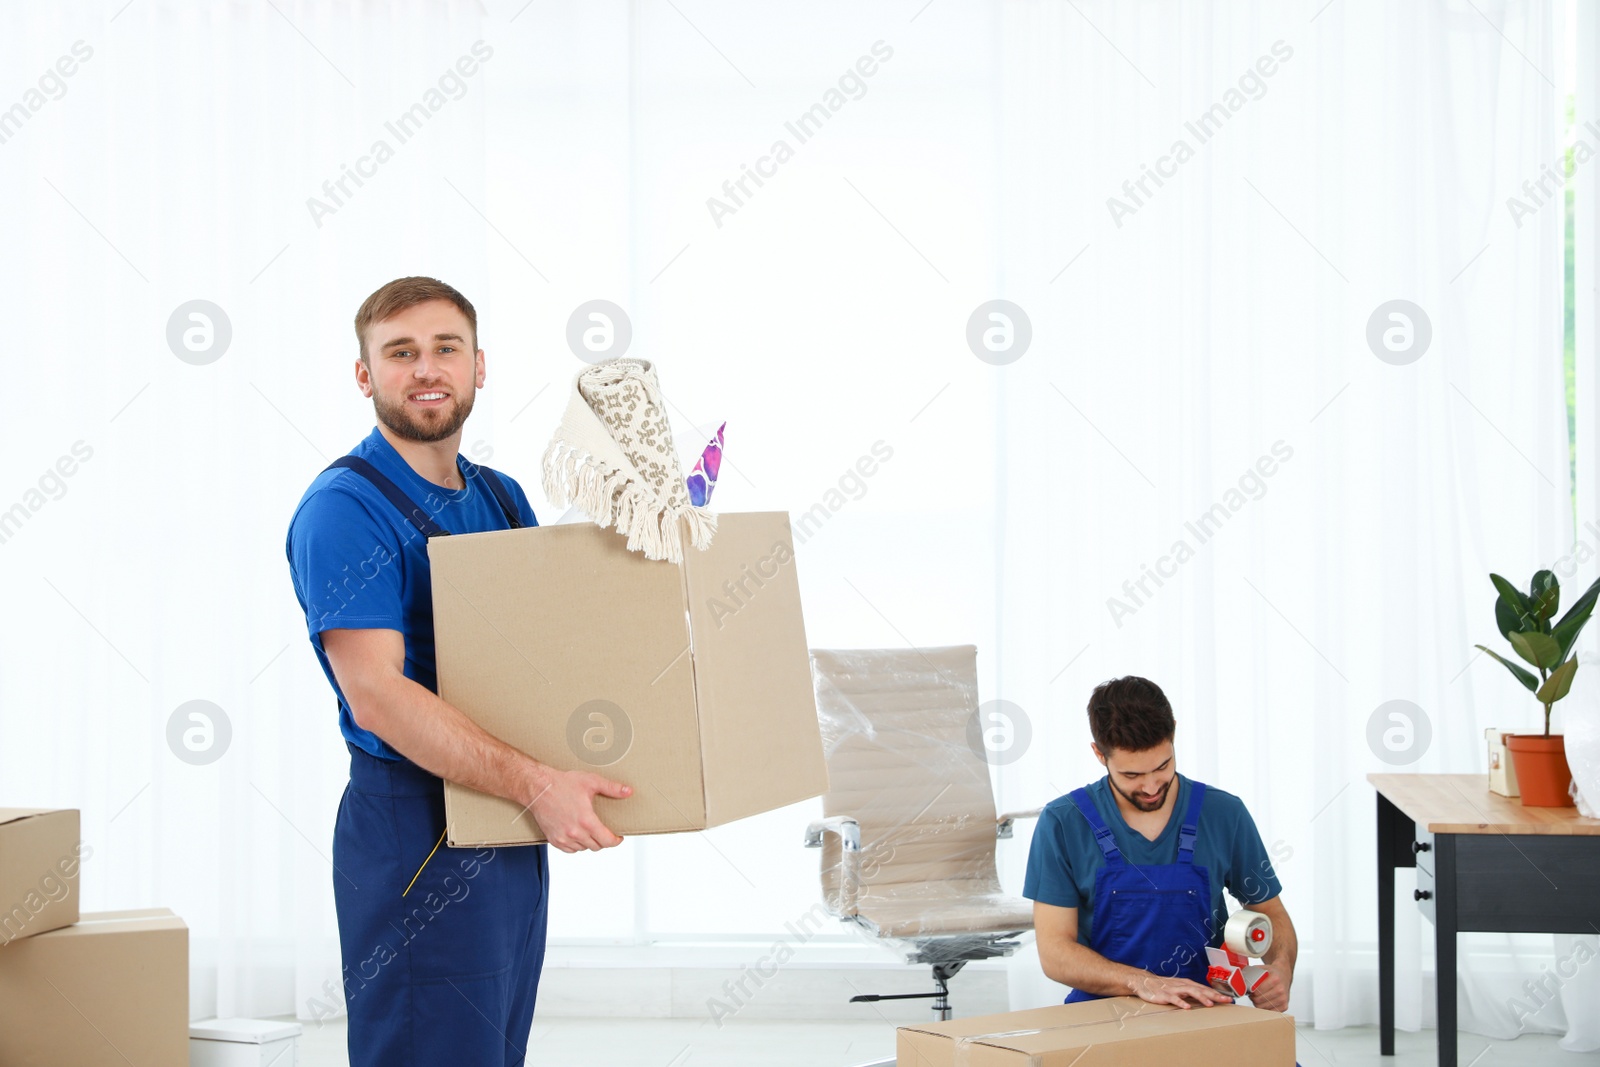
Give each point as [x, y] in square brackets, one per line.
[1003, 824]
[848, 829]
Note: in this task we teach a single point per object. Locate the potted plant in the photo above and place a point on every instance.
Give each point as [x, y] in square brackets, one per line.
[1525, 621]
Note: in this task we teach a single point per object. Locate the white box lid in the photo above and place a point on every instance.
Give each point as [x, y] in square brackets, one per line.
[247, 1031]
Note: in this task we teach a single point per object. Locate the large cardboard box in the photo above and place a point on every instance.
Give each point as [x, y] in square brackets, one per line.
[39, 861]
[691, 683]
[1099, 1033]
[111, 991]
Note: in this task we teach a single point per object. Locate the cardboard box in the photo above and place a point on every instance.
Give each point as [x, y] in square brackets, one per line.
[39, 863]
[243, 1043]
[1502, 769]
[691, 683]
[1099, 1033]
[111, 991]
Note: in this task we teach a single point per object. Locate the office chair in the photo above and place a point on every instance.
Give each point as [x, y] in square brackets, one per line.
[909, 828]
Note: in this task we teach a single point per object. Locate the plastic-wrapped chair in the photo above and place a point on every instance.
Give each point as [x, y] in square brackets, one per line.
[908, 837]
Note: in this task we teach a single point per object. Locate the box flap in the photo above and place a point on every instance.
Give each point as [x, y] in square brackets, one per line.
[118, 922]
[14, 814]
[525, 623]
[758, 717]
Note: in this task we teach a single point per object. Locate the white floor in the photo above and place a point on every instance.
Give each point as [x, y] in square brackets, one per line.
[697, 1043]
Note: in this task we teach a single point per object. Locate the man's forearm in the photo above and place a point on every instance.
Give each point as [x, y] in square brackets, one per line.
[1081, 967]
[437, 737]
[1285, 948]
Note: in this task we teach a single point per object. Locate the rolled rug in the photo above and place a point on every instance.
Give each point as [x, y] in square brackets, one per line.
[612, 457]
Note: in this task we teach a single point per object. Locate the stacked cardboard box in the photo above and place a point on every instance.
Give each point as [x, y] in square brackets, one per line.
[107, 988]
[39, 859]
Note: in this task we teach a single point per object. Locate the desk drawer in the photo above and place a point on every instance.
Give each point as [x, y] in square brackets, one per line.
[1513, 883]
[1528, 883]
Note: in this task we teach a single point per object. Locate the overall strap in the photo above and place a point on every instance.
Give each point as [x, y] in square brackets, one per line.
[414, 514]
[502, 495]
[1191, 823]
[1102, 832]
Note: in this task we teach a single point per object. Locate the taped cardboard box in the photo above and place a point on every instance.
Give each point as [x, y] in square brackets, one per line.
[1099, 1033]
[110, 991]
[691, 683]
[39, 861]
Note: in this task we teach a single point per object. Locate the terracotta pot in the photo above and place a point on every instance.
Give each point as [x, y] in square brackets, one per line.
[1542, 770]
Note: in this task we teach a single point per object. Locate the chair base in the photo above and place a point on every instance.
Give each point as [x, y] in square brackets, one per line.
[946, 955]
[942, 973]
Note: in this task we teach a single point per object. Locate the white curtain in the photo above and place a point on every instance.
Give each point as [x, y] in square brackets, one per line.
[1210, 347]
[212, 153]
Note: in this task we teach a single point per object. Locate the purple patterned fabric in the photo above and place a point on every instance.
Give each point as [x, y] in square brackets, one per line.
[703, 479]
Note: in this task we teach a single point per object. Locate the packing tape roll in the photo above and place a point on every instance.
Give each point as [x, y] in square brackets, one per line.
[1248, 933]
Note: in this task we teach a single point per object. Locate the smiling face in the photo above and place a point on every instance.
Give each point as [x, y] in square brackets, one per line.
[1142, 778]
[421, 371]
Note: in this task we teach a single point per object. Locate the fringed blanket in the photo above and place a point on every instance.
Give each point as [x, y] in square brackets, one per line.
[613, 458]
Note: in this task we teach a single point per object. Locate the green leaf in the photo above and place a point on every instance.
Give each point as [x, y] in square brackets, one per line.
[1526, 619]
[1528, 680]
[1571, 625]
[1559, 683]
[1544, 597]
[1541, 650]
[1505, 617]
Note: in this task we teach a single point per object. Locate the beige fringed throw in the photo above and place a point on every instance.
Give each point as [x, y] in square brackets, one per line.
[612, 457]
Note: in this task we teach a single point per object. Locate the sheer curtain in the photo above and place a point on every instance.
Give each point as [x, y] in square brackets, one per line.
[536, 157]
[178, 162]
[1210, 475]
[230, 154]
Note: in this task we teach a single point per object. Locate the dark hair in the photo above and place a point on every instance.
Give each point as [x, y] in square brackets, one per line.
[403, 293]
[1131, 714]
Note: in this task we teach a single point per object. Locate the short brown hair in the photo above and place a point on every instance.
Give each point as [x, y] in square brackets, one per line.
[1129, 713]
[403, 293]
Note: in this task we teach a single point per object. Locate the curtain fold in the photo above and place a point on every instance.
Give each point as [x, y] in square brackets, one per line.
[1215, 348]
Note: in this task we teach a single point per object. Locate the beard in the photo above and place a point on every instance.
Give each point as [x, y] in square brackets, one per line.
[428, 425]
[1146, 805]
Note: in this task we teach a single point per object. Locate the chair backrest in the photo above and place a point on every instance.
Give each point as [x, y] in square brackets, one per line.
[899, 730]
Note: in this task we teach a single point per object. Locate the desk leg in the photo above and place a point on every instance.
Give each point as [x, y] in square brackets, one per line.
[1388, 816]
[1444, 942]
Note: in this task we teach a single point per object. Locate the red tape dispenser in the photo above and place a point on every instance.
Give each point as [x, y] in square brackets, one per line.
[1247, 935]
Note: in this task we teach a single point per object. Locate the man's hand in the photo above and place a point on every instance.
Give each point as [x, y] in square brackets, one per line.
[1178, 991]
[1081, 967]
[563, 806]
[1273, 991]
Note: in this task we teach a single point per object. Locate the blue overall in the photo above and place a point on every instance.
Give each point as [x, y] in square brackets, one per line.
[1154, 918]
[442, 947]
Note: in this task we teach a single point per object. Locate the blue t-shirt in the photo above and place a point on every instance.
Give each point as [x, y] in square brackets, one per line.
[1064, 857]
[358, 564]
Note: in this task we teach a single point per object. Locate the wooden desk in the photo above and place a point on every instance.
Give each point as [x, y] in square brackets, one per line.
[1484, 862]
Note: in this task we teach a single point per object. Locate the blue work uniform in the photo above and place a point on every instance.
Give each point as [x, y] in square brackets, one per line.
[1156, 904]
[442, 947]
